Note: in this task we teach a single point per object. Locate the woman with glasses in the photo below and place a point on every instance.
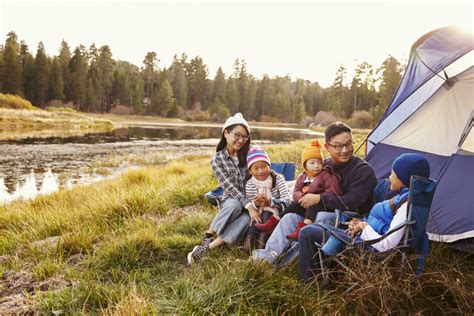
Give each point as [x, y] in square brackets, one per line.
[230, 168]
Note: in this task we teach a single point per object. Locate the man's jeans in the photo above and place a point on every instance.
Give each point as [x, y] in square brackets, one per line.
[277, 244]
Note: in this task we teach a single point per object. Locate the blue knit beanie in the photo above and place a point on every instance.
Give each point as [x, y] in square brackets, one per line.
[410, 164]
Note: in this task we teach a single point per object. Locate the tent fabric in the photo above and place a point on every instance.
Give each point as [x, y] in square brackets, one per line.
[399, 114]
[432, 113]
[429, 55]
[432, 128]
[452, 211]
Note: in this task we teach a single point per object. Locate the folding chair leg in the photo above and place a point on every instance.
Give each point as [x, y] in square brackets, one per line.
[324, 274]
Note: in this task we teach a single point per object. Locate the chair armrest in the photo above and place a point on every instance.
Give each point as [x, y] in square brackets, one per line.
[330, 230]
[214, 195]
[342, 217]
[396, 228]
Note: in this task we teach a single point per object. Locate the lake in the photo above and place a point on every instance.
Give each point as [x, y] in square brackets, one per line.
[33, 166]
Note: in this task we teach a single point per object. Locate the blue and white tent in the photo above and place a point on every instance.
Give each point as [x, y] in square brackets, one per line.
[432, 113]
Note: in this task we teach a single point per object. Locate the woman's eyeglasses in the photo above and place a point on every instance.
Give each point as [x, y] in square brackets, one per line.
[239, 136]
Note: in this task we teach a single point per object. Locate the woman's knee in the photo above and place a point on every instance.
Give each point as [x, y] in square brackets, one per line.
[232, 204]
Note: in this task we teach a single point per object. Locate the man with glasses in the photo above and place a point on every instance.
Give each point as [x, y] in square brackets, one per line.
[357, 183]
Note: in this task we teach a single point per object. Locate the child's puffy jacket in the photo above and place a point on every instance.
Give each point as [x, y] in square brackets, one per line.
[381, 214]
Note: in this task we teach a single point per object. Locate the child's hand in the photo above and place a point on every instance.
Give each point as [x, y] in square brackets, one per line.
[305, 189]
[261, 201]
[356, 226]
[254, 216]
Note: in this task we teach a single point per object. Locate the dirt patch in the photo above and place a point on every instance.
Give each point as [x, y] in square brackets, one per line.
[19, 289]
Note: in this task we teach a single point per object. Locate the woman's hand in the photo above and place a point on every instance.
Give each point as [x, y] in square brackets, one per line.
[254, 216]
[309, 200]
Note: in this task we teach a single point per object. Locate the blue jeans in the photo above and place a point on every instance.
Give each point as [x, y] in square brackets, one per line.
[277, 244]
[231, 222]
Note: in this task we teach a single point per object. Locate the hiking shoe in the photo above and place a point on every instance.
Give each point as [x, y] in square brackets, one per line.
[268, 226]
[207, 239]
[197, 253]
[294, 235]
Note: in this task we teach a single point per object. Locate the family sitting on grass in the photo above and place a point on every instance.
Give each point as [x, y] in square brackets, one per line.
[256, 202]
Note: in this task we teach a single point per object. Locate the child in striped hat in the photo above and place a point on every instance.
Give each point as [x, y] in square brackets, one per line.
[266, 194]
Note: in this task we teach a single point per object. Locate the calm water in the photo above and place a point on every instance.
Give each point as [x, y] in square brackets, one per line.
[39, 166]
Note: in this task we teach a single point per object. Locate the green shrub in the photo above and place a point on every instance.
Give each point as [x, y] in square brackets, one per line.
[361, 119]
[11, 101]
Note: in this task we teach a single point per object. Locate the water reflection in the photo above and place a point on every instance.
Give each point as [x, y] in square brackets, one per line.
[29, 188]
[35, 166]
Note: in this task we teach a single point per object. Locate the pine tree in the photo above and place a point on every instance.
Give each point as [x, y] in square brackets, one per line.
[264, 97]
[231, 96]
[250, 98]
[391, 75]
[338, 93]
[299, 110]
[64, 58]
[163, 101]
[28, 71]
[1, 67]
[12, 71]
[78, 83]
[105, 65]
[92, 102]
[178, 81]
[41, 77]
[196, 72]
[219, 86]
[242, 77]
[56, 84]
[149, 73]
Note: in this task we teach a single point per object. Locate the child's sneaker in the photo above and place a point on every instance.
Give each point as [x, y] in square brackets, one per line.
[268, 226]
[294, 235]
[197, 253]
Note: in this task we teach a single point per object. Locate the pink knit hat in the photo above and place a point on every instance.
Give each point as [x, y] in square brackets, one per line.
[257, 154]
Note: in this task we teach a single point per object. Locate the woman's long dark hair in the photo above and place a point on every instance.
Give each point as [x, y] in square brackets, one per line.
[242, 152]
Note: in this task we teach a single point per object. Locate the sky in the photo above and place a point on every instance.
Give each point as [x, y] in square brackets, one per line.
[305, 39]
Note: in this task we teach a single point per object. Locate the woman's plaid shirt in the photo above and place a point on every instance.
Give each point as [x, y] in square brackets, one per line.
[231, 177]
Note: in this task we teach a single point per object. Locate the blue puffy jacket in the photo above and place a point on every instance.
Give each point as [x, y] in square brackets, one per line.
[381, 214]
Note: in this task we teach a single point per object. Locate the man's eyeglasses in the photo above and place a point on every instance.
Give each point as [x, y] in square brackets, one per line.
[239, 136]
[339, 147]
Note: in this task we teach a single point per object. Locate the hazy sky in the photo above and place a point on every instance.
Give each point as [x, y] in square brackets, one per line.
[308, 39]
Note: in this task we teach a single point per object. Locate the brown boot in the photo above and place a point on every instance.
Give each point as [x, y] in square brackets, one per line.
[249, 243]
[261, 241]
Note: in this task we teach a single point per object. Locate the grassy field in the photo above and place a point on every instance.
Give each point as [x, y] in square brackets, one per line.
[119, 247]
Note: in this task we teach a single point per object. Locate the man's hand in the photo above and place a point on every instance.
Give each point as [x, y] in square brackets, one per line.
[254, 216]
[309, 200]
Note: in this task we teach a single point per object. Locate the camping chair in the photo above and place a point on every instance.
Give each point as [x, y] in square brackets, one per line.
[381, 192]
[287, 169]
[415, 238]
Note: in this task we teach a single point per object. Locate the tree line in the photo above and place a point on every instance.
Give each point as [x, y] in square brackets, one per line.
[92, 81]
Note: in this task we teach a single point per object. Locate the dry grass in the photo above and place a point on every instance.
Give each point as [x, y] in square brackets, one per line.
[19, 123]
[122, 245]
